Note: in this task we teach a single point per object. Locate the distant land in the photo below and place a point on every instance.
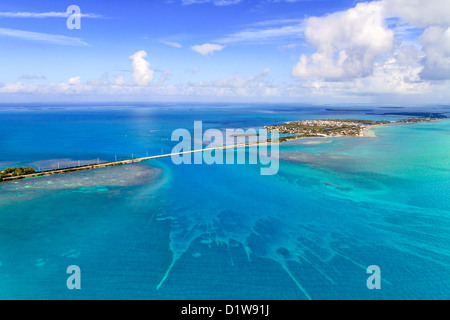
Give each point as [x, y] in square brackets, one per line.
[415, 114]
[295, 130]
[347, 110]
[340, 127]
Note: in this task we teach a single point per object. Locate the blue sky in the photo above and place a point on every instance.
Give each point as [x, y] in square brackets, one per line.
[320, 51]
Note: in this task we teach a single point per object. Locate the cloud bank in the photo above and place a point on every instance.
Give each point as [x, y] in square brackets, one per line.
[366, 50]
[347, 43]
[352, 44]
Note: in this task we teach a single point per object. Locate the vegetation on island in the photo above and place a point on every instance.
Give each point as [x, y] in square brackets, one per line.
[334, 127]
[291, 130]
[11, 174]
[16, 172]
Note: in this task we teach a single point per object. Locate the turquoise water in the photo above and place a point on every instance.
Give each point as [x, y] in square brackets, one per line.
[160, 231]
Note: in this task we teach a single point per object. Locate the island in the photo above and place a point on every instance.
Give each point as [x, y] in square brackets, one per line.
[292, 130]
[15, 172]
[335, 127]
[19, 173]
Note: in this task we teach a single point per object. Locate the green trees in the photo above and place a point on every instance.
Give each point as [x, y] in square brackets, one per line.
[14, 172]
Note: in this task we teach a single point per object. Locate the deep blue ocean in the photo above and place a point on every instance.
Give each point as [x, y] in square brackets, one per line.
[156, 230]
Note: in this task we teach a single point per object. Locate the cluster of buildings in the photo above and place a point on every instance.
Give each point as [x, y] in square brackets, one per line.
[321, 128]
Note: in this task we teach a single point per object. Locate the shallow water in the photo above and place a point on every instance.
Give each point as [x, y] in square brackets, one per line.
[160, 231]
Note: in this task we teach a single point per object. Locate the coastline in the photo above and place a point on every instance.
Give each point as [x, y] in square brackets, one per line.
[365, 131]
[123, 162]
[368, 133]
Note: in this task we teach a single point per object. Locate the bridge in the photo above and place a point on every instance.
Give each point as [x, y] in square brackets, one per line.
[123, 162]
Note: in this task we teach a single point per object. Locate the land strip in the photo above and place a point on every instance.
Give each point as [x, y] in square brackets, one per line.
[335, 127]
[7, 178]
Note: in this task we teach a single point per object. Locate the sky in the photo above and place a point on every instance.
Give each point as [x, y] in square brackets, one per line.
[302, 51]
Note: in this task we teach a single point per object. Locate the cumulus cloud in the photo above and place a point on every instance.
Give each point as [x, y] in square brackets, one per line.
[347, 43]
[74, 81]
[207, 48]
[420, 13]
[354, 54]
[436, 46]
[398, 75]
[142, 73]
[434, 17]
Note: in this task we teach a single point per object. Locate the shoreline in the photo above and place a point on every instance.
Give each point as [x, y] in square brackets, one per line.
[123, 162]
[392, 124]
[364, 131]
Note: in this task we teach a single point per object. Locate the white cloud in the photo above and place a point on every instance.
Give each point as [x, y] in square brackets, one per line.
[119, 80]
[253, 86]
[32, 77]
[264, 35]
[236, 86]
[207, 48]
[389, 79]
[171, 44]
[42, 37]
[397, 75]
[434, 16]
[164, 77]
[420, 13]
[347, 43]
[214, 2]
[74, 81]
[44, 15]
[288, 46]
[18, 87]
[142, 73]
[354, 55]
[436, 46]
